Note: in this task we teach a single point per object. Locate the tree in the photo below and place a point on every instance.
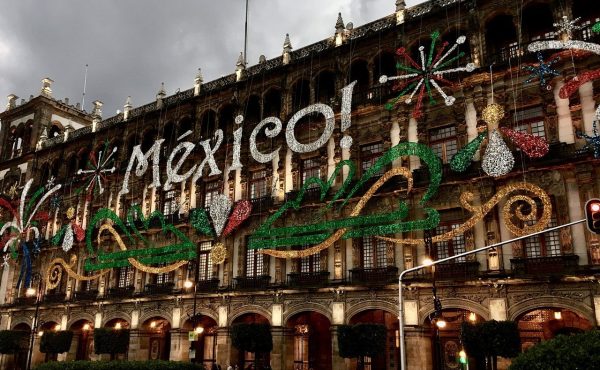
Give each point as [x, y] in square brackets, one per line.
[487, 340]
[56, 341]
[360, 340]
[11, 341]
[565, 352]
[254, 338]
[111, 341]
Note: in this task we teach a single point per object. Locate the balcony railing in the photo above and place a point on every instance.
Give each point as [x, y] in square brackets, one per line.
[554, 265]
[376, 275]
[310, 195]
[121, 292]
[208, 285]
[24, 301]
[457, 270]
[251, 282]
[261, 204]
[159, 289]
[85, 295]
[308, 279]
[54, 297]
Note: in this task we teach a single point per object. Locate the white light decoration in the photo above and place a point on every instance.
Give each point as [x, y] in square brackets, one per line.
[210, 156]
[346, 141]
[219, 211]
[142, 165]
[270, 133]
[567, 26]
[569, 44]
[498, 160]
[236, 164]
[172, 172]
[290, 137]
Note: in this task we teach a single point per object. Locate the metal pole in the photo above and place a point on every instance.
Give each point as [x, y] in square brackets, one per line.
[246, 37]
[34, 324]
[196, 276]
[467, 253]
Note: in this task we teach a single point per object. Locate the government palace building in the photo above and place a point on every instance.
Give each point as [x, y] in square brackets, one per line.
[293, 192]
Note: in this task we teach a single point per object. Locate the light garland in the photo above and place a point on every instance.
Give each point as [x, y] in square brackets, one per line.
[240, 213]
[218, 253]
[492, 115]
[324, 234]
[69, 232]
[298, 147]
[173, 177]
[479, 212]
[269, 133]
[97, 169]
[574, 84]
[219, 210]
[497, 159]
[592, 142]
[55, 270]
[566, 26]
[421, 77]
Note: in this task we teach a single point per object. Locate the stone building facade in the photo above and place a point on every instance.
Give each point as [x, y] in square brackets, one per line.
[548, 284]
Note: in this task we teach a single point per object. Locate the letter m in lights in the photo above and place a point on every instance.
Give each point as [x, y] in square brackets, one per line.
[592, 215]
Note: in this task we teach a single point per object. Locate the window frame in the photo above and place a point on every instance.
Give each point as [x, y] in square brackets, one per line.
[437, 137]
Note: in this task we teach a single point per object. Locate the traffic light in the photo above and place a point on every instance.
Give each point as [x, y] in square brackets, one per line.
[462, 357]
[592, 215]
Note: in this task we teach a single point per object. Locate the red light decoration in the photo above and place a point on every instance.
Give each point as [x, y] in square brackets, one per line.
[573, 85]
[240, 213]
[533, 146]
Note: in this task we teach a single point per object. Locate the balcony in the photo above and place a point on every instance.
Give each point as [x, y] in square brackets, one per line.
[555, 265]
[25, 301]
[310, 195]
[374, 276]
[208, 285]
[457, 270]
[54, 297]
[251, 282]
[262, 204]
[159, 289]
[308, 279]
[121, 292]
[85, 295]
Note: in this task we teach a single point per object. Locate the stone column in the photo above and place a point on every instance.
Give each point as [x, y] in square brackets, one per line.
[576, 213]
[588, 106]
[418, 349]
[177, 349]
[413, 137]
[498, 310]
[223, 349]
[277, 354]
[135, 351]
[565, 123]
[337, 362]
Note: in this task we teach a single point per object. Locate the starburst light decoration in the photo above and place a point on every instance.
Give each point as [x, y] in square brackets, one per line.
[593, 142]
[566, 26]
[542, 71]
[96, 170]
[421, 78]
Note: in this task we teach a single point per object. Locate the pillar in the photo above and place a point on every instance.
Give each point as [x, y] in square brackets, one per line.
[588, 106]
[418, 349]
[576, 213]
[498, 310]
[337, 362]
[223, 350]
[177, 350]
[277, 354]
[135, 351]
[565, 123]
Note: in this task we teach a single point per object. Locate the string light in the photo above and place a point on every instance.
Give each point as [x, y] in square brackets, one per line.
[533, 146]
[58, 265]
[218, 253]
[566, 26]
[219, 210]
[592, 142]
[542, 70]
[492, 114]
[240, 213]
[461, 160]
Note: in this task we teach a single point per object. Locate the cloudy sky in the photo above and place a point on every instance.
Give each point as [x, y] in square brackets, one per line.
[133, 46]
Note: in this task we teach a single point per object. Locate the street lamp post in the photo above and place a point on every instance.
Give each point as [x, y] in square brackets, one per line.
[189, 284]
[34, 325]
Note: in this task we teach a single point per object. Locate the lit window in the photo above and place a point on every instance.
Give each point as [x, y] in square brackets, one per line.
[369, 154]
[258, 184]
[125, 277]
[170, 203]
[311, 168]
[451, 247]
[310, 263]
[254, 263]
[373, 252]
[531, 121]
[211, 190]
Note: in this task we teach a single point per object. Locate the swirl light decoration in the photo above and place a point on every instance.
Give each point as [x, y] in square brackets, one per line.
[520, 206]
[58, 265]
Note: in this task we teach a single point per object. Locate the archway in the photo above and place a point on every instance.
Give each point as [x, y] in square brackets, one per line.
[118, 324]
[389, 358]
[204, 346]
[82, 346]
[445, 338]
[18, 361]
[546, 323]
[242, 358]
[155, 339]
[309, 340]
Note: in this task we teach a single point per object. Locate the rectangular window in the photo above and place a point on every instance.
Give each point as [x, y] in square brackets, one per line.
[373, 252]
[211, 190]
[204, 262]
[310, 263]
[544, 245]
[311, 168]
[254, 263]
[443, 142]
[125, 276]
[586, 29]
[258, 184]
[369, 154]
[170, 203]
[531, 121]
[163, 278]
[450, 247]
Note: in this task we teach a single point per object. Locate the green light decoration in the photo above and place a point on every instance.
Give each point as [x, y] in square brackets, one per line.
[596, 28]
[461, 160]
[268, 236]
[200, 222]
[150, 254]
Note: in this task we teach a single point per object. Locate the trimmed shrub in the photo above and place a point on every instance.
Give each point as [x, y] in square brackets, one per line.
[565, 352]
[12, 341]
[111, 341]
[56, 341]
[255, 338]
[118, 365]
[361, 340]
[490, 339]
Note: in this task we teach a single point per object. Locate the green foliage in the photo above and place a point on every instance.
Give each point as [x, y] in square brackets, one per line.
[255, 338]
[361, 340]
[118, 365]
[565, 352]
[491, 338]
[56, 341]
[12, 341]
[111, 341]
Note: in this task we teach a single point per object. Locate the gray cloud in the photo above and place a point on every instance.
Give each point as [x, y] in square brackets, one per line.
[133, 46]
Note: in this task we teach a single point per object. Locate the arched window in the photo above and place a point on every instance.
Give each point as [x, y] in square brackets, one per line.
[272, 103]
[300, 94]
[208, 124]
[537, 22]
[325, 87]
[384, 64]
[501, 39]
[359, 71]
[252, 109]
